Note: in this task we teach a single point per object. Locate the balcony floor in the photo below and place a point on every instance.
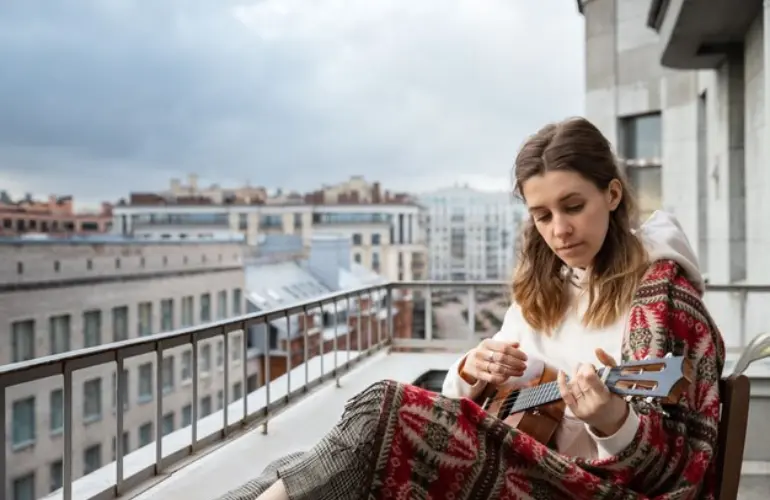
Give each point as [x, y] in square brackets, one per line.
[241, 459]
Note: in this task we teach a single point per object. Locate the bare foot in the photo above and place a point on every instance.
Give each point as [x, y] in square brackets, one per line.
[276, 492]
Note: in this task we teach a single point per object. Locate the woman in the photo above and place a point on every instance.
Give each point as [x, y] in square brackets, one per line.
[586, 284]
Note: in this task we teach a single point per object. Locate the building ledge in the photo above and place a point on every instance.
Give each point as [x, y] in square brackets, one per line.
[700, 35]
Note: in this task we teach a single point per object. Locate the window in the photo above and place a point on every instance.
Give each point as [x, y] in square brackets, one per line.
[124, 390]
[126, 445]
[376, 262]
[92, 458]
[56, 470]
[24, 487]
[357, 257]
[375, 239]
[641, 146]
[220, 399]
[220, 353]
[119, 323]
[186, 415]
[186, 365]
[237, 391]
[145, 434]
[222, 304]
[92, 399]
[205, 307]
[59, 333]
[168, 374]
[235, 348]
[205, 365]
[56, 419]
[206, 406]
[145, 319]
[145, 382]
[166, 315]
[188, 316]
[168, 423]
[237, 301]
[23, 340]
[23, 422]
[92, 328]
[357, 239]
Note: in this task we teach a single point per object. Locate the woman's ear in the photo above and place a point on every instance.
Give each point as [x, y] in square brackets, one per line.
[614, 194]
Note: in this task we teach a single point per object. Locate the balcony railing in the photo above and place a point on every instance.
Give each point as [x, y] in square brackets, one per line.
[423, 315]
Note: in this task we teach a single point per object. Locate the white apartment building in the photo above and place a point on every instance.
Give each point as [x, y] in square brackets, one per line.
[385, 230]
[471, 234]
[679, 87]
[57, 296]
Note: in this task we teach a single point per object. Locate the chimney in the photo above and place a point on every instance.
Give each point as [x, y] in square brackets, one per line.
[376, 194]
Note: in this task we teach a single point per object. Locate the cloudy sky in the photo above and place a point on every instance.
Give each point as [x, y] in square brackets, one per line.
[102, 97]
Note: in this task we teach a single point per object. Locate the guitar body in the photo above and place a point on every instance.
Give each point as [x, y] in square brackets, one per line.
[540, 422]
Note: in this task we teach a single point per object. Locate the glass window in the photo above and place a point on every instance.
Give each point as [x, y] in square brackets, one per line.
[168, 423]
[237, 301]
[24, 487]
[57, 411]
[59, 333]
[205, 307]
[145, 382]
[237, 391]
[186, 415]
[188, 315]
[92, 328]
[119, 323]
[166, 315]
[168, 374]
[145, 319]
[92, 458]
[205, 406]
[23, 414]
[186, 365]
[222, 304]
[205, 359]
[23, 340]
[220, 353]
[56, 470]
[92, 399]
[642, 136]
[145, 434]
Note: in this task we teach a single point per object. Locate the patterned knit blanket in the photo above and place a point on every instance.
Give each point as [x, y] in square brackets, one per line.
[397, 441]
[432, 447]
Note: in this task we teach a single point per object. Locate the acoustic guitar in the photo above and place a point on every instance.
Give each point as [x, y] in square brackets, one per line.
[536, 408]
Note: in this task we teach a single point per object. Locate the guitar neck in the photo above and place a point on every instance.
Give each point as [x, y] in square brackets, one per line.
[542, 394]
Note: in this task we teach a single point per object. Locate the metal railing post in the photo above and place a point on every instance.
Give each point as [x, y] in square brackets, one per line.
[428, 313]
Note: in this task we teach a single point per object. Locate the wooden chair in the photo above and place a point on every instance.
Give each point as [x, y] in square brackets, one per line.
[735, 393]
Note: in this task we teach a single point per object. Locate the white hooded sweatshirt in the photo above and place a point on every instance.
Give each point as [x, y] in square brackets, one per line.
[572, 343]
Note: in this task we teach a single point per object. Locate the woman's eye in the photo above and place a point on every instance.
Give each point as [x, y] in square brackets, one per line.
[575, 208]
[543, 218]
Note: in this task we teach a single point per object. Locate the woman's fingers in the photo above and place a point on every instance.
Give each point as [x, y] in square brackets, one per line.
[605, 358]
[564, 390]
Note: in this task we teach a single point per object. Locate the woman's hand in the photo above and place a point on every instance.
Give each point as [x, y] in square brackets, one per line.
[493, 361]
[591, 401]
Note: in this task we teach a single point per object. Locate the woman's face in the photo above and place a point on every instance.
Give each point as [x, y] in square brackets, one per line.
[571, 213]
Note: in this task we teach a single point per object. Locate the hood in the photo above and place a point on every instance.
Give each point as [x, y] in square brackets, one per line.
[664, 239]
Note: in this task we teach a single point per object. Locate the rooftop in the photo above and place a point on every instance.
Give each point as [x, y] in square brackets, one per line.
[410, 334]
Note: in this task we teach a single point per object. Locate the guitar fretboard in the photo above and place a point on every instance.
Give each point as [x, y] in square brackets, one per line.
[533, 397]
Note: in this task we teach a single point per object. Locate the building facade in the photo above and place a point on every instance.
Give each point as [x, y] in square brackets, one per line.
[55, 216]
[57, 296]
[385, 229]
[471, 234]
[679, 87]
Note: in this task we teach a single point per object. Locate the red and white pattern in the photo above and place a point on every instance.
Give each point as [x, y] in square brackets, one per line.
[433, 447]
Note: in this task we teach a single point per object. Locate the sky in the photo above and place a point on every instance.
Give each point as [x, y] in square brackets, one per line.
[99, 98]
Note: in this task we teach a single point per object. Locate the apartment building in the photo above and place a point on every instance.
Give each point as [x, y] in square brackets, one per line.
[59, 295]
[385, 228]
[471, 234]
[680, 89]
[55, 216]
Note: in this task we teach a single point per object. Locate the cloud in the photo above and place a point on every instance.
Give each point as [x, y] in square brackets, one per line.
[101, 97]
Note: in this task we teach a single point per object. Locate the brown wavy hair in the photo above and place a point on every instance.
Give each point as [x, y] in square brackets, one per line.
[539, 285]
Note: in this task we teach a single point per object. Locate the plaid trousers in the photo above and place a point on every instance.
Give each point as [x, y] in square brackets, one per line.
[339, 467]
